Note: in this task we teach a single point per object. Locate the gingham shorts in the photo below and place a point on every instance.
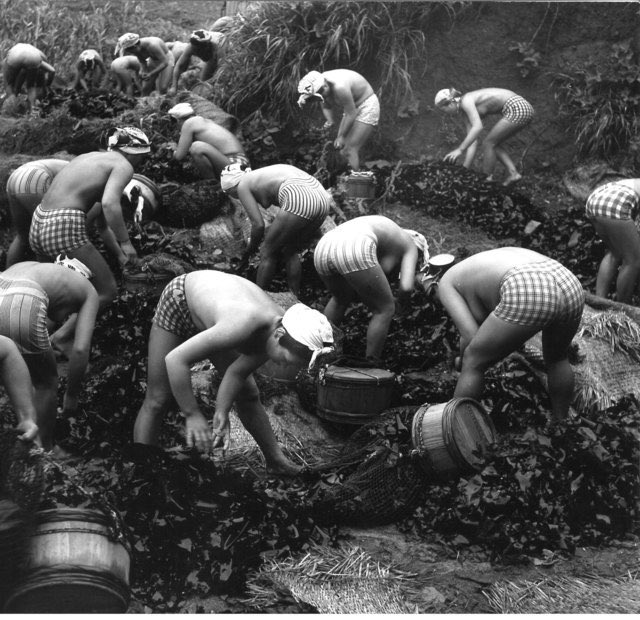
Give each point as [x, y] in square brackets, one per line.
[23, 314]
[238, 158]
[340, 253]
[517, 110]
[172, 312]
[30, 179]
[56, 231]
[306, 198]
[369, 111]
[540, 293]
[613, 200]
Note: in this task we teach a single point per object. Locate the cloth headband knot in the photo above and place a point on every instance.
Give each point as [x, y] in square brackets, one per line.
[421, 243]
[309, 86]
[310, 328]
[75, 265]
[129, 140]
[128, 39]
[230, 175]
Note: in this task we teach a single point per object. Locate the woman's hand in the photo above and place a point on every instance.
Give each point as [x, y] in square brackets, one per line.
[453, 156]
[197, 432]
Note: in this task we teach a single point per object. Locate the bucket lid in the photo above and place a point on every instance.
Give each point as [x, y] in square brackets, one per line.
[467, 429]
[365, 375]
[441, 260]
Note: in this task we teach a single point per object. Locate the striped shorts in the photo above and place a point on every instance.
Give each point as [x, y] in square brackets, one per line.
[540, 293]
[340, 253]
[517, 110]
[30, 179]
[23, 314]
[172, 312]
[56, 231]
[613, 200]
[238, 158]
[306, 198]
[369, 111]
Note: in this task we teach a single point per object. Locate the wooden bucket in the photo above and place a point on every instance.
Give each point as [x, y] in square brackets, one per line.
[353, 395]
[361, 185]
[445, 436]
[146, 281]
[74, 564]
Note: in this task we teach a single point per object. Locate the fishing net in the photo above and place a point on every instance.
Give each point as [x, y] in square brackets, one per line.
[374, 479]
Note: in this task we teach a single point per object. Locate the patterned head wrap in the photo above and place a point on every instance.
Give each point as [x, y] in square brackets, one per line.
[223, 24]
[75, 265]
[200, 36]
[89, 56]
[129, 140]
[309, 86]
[181, 111]
[139, 191]
[421, 243]
[127, 40]
[231, 175]
[310, 328]
[445, 96]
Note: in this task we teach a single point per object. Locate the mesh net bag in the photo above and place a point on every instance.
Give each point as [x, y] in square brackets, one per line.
[374, 480]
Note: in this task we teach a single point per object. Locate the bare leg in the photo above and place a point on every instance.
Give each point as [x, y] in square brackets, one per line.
[607, 272]
[208, 160]
[21, 213]
[341, 296]
[44, 376]
[493, 341]
[556, 340]
[512, 172]
[623, 241]
[502, 130]
[158, 397]
[372, 287]
[354, 141]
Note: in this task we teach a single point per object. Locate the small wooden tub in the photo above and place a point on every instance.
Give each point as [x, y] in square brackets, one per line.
[361, 185]
[353, 395]
[446, 436]
[145, 281]
[73, 564]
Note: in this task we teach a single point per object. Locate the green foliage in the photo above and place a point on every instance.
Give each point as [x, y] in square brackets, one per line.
[529, 58]
[62, 31]
[277, 43]
[601, 102]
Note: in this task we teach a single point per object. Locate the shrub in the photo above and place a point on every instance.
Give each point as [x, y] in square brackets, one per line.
[600, 100]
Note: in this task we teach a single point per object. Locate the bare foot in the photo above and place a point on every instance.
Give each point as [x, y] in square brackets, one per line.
[512, 178]
[286, 469]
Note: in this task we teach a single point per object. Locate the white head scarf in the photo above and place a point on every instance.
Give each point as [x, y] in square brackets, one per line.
[129, 140]
[446, 95]
[127, 40]
[75, 265]
[181, 111]
[310, 328]
[309, 86]
[421, 243]
[230, 176]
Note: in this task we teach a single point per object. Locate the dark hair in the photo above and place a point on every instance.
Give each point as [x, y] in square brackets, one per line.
[297, 348]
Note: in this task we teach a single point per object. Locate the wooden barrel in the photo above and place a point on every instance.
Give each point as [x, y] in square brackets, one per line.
[449, 438]
[353, 395]
[145, 281]
[74, 564]
[361, 185]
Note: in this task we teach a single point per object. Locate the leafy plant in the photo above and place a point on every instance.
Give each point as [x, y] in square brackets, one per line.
[529, 58]
[601, 102]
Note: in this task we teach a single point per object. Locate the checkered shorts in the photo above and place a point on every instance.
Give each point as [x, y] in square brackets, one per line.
[540, 293]
[518, 110]
[23, 314]
[306, 198]
[613, 200]
[56, 231]
[340, 253]
[172, 312]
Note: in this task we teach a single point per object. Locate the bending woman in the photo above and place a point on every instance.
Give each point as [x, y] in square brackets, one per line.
[516, 114]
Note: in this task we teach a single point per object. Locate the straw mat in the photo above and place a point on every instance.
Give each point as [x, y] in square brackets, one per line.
[333, 580]
[567, 595]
